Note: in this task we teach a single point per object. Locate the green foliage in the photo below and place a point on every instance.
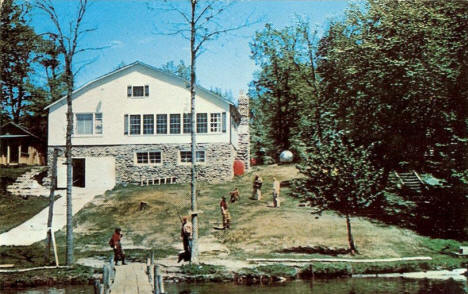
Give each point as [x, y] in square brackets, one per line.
[18, 42]
[181, 70]
[23, 56]
[77, 275]
[326, 270]
[338, 176]
[395, 76]
[278, 270]
[284, 94]
[202, 269]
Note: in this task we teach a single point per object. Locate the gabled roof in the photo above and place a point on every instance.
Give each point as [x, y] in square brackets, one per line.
[152, 68]
[20, 127]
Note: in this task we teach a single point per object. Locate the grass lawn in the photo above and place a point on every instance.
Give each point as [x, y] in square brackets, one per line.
[258, 229]
[15, 210]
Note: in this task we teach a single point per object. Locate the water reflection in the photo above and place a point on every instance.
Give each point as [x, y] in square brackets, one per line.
[52, 290]
[336, 286]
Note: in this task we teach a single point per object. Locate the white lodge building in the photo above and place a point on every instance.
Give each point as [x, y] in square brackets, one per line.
[133, 125]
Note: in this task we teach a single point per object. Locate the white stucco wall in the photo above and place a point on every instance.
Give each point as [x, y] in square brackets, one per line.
[109, 97]
[99, 172]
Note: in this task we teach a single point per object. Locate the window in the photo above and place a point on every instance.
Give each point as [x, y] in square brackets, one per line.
[202, 123]
[98, 123]
[154, 157]
[126, 124]
[135, 124]
[161, 124]
[215, 122]
[186, 156]
[200, 156]
[142, 157]
[84, 123]
[148, 124]
[138, 91]
[187, 123]
[175, 123]
[88, 124]
[224, 122]
[148, 157]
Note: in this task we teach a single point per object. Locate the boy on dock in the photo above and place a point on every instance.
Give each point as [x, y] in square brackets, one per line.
[114, 242]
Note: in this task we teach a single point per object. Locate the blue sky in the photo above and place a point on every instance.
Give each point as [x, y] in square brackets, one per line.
[132, 32]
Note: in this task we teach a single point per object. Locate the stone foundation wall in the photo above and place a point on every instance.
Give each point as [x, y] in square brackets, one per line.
[218, 165]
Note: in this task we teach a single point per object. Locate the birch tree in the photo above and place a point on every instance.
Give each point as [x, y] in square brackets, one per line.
[200, 22]
[67, 35]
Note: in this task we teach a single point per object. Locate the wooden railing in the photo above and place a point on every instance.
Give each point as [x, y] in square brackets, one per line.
[154, 274]
[108, 276]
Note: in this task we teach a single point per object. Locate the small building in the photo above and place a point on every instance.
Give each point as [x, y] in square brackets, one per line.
[20, 146]
[133, 125]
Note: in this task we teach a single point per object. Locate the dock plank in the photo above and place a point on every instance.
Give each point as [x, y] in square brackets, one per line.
[131, 278]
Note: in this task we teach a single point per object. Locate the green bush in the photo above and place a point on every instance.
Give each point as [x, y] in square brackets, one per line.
[201, 269]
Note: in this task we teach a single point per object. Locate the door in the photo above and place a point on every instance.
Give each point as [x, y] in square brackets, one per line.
[78, 172]
[14, 156]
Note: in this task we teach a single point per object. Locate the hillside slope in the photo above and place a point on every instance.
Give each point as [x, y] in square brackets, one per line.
[258, 229]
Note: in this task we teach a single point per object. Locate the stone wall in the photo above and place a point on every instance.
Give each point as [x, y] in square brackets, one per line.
[218, 165]
[243, 151]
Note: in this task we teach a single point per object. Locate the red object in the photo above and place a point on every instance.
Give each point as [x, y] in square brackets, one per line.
[253, 161]
[239, 167]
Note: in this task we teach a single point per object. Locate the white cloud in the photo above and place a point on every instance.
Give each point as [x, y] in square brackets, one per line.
[146, 40]
[116, 44]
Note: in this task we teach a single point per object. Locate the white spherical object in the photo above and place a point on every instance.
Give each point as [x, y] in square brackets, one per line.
[286, 156]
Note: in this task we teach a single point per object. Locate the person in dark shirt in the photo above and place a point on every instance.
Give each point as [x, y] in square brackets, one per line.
[117, 246]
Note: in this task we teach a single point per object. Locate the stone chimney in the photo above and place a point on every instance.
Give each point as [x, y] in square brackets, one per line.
[243, 151]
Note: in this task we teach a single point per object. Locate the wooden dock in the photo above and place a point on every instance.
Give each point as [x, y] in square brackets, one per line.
[131, 278]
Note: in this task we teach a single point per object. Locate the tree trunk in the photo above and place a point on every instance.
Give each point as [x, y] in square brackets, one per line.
[352, 247]
[53, 184]
[193, 185]
[68, 155]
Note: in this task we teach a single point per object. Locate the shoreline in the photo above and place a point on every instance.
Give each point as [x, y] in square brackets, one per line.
[82, 275]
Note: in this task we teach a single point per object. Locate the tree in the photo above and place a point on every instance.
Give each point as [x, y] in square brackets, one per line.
[286, 89]
[200, 23]
[18, 47]
[181, 70]
[394, 71]
[67, 37]
[395, 76]
[49, 68]
[338, 176]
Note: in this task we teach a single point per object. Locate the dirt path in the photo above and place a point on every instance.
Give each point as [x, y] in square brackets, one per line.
[35, 229]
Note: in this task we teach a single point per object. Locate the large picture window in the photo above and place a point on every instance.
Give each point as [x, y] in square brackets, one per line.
[175, 123]
[84, 123]
[161, 123]
[202, 123]
[88, 124]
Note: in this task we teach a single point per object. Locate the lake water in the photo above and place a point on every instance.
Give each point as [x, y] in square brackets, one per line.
[335, 286]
